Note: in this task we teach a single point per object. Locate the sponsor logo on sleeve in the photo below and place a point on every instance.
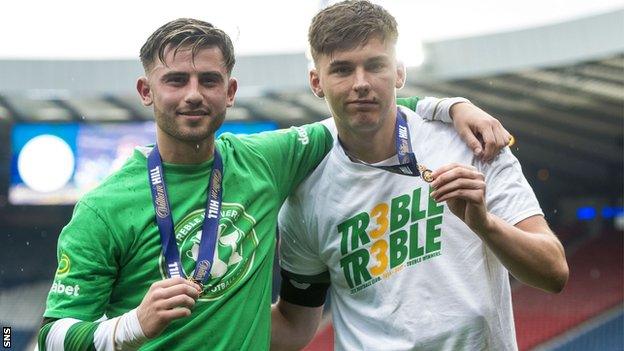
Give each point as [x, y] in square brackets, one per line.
[63, 266]
[58, 287]
[303, 135]
[61, 289]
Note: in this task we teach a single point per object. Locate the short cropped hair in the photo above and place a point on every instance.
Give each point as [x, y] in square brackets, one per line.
[349, 24]
[186, 33]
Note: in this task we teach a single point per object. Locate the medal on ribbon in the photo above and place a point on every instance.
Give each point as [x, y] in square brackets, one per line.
[164, 219]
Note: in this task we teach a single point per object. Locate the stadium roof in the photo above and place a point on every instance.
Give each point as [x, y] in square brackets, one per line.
[563, 101]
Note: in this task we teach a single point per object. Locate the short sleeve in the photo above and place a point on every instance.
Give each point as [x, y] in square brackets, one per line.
[298, 251]
[508, 194]
[87, 267]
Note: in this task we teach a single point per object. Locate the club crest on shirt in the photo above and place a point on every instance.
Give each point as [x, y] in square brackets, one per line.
[234, 254]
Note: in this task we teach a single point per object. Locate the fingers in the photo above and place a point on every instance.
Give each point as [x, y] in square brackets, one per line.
[500, 138]
[473, 143]
[489, 143]
[467, 189]
[175, 313]
[183, 301]
[175, 281]
[472, 124]
[165, 301]
[501, 141]
[179, 289]
[437, 174]
[506, 136]
[494, 137]
[455, 180]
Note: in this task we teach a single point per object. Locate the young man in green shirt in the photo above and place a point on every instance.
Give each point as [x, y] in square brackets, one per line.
[175, 250]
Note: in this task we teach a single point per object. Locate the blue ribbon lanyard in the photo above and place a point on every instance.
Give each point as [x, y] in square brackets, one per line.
[164, 219]
[407, 160]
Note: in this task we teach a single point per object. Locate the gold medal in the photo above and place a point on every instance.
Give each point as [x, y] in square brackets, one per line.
[512, 140]
[425, 173]
[201, 286]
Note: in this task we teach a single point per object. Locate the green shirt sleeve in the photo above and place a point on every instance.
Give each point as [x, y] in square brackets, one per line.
[87, 265]
[78, 337]
[291, 154]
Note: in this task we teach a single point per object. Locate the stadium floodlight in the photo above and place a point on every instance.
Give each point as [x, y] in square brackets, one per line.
[46, 163]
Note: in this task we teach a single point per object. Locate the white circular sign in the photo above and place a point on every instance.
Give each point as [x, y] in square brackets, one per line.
[46, 163]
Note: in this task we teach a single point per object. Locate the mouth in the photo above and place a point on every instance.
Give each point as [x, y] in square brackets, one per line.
[362, 105]
[362, 102]
[194, 113]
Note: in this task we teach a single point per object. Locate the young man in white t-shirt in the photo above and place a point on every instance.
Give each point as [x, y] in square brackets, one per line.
[410, 265]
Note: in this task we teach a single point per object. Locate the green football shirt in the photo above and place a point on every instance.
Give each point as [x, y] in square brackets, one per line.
[110, 252]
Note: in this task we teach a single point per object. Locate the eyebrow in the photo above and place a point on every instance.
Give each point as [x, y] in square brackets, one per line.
[345, 62]
[339, 63]
[202, 75]
[173, 74]
[217, 76]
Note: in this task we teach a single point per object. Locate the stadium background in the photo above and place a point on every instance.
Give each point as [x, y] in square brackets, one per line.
[559, 88]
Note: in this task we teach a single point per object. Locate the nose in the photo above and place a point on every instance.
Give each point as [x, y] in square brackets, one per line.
[361, 85]
[193, 94]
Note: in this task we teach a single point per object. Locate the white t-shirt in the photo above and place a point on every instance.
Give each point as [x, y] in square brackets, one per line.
[406, 274]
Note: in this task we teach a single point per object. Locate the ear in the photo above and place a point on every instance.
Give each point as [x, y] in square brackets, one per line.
[145, 93]
[401, 75]
[231, 91]
[315, 83]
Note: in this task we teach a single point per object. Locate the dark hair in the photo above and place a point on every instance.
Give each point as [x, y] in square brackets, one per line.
[186, 33]
[348, 24]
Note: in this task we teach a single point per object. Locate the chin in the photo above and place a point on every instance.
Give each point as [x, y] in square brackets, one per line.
[190, 134]
[197, 134]
[365, 122]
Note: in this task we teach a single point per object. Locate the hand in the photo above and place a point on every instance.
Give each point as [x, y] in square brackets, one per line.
[165, 301]
[484, 134]
[463, 189]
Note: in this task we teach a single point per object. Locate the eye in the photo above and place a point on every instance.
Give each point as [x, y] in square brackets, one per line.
[341, 70]
[175, 80]
[209, 82]
[376, 66]
[210, 79]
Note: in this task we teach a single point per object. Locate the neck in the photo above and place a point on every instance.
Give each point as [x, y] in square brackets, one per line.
[181, 152]
[370, 146]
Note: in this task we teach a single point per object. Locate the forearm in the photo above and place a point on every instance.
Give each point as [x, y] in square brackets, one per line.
[293, 330]
[282, 336]
[120, 333]
[535, 257]
[436, 109]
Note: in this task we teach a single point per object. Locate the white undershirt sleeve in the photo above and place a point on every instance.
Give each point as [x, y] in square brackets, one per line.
[120, 333]
[434, 109]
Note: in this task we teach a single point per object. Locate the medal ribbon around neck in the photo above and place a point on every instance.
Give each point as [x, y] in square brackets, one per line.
[164, 219]
[407, 160]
